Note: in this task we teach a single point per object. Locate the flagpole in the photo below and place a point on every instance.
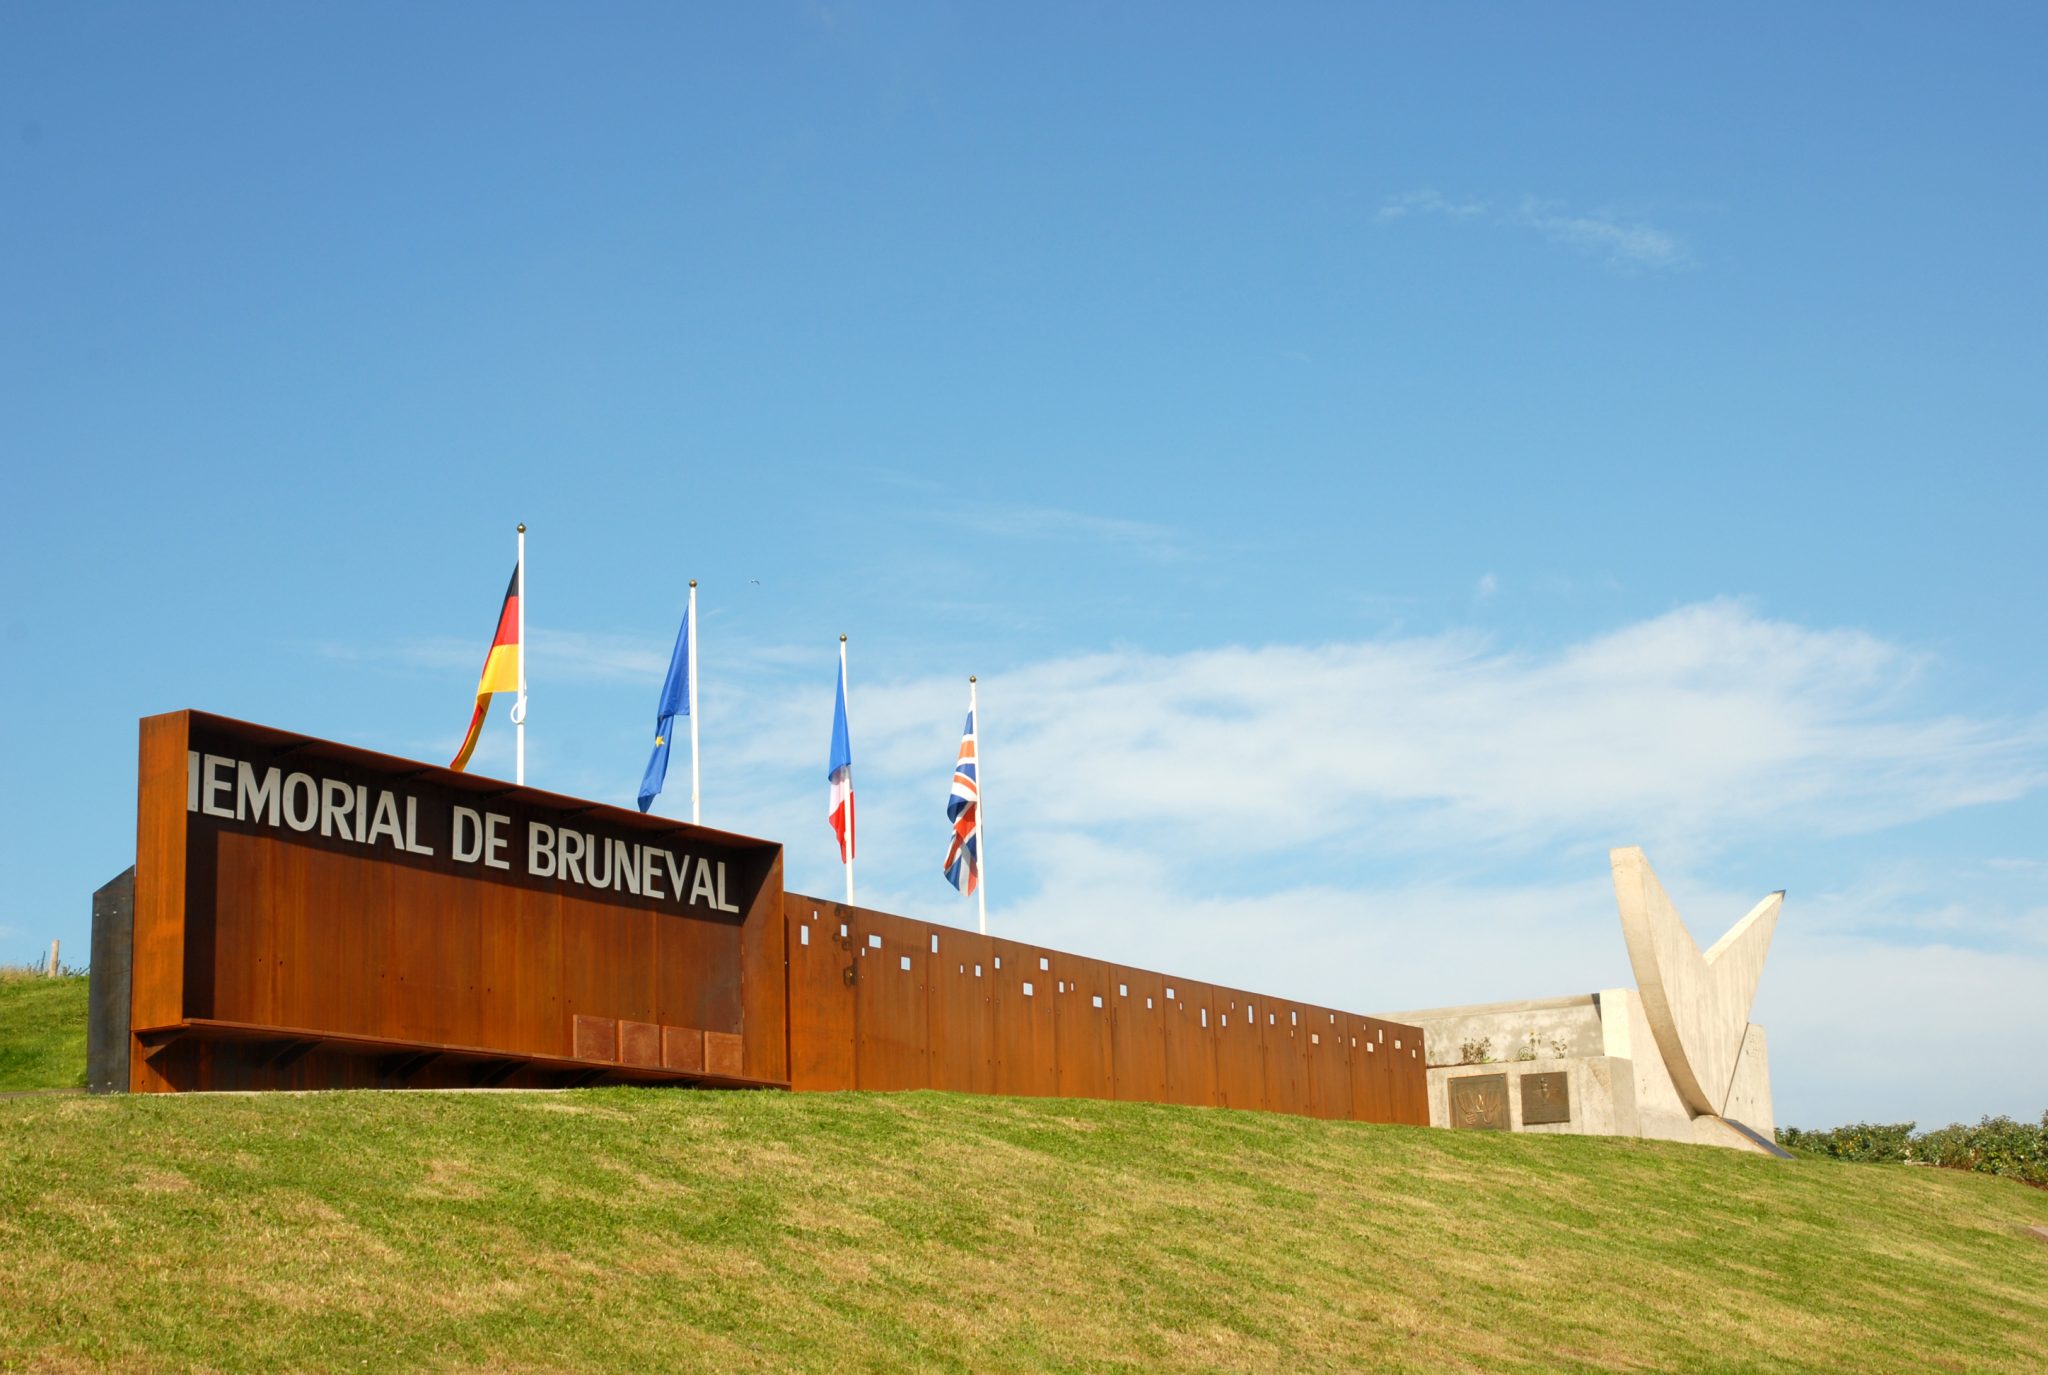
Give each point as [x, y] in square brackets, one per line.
[519, 708]
[980, 801]
[696, 803]
[852, 821]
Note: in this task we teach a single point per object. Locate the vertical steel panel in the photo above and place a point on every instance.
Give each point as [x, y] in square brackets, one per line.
[1022, 1041]
[1188, 1042]
[1369, 1099]
[1081, 1038]
[1329, 1063]
[1137, 1028]
[891, 1020]
[1240, 1049]
[821, 974]
[1285, 1064]
[959, 988]
[109, 992]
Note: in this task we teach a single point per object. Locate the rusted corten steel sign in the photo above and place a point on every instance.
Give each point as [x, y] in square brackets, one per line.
[309, 915]
[313, 916]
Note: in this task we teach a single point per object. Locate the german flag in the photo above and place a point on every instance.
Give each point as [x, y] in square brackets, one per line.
[501, 669]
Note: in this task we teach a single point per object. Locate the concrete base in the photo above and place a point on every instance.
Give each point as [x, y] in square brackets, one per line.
[1616, 1081]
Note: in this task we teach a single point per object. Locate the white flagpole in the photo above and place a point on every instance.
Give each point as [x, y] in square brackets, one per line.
[980, 800]
[696, 796]
[852, 819]
[519, 708]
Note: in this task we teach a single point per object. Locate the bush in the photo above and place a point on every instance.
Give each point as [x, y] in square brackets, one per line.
[1887, 1142]
[1996, 1145]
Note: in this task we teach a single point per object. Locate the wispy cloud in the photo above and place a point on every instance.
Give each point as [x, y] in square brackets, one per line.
[1627, 243]
[1705, 727]
[1052, 524]
[1429, 201]
[1619, 241]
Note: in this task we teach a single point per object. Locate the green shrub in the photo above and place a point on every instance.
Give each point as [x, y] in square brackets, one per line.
[1884, 1142]
[1995, 1145]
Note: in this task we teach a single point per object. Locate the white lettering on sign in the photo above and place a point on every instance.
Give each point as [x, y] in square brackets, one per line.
[384, 818]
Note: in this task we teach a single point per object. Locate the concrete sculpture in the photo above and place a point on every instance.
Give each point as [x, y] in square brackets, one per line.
[1675, 1057]
[1697, 1004]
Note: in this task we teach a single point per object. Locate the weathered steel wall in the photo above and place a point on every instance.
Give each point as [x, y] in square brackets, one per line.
[878, 1001]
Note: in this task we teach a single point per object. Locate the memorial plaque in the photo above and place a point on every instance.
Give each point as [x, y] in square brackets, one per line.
[1545, 1099]
[1480, 1101]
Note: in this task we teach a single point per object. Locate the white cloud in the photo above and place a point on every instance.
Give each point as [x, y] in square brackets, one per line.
[1428, 201]
[1487, 585]
[1624, 243]
[1055, 525]
[1422, 820]
[1628, 243]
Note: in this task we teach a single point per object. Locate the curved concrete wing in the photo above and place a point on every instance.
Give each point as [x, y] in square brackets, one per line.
[1697, 1004]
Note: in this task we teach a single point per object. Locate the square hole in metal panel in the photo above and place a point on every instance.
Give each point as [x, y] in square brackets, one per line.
[1123, 990]
[977, 971]
[999, 961]
[1044, 964]
[1098, 1000]
[803, 935]
[906, 961]
[875, 942]
[1027, 988]
[1169, 995]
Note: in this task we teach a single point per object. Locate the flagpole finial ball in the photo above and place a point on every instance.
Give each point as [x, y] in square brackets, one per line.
[970, 677]
[522, 527]
[842, 639]
[693, 582]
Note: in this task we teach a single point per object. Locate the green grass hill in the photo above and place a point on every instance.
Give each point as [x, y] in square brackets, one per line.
[665, 1230]
[42, 1031]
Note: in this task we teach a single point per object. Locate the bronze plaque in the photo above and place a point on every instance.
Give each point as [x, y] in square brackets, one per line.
[1480, 1100]
[1545, 1099]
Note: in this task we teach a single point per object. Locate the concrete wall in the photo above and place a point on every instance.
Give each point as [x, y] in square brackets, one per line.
[1562, 1027]
[1617, 1081]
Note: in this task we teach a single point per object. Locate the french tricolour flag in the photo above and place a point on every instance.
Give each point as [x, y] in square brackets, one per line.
[840, 770]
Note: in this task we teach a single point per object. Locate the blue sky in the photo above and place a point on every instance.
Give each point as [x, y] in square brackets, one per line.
[1376, 458]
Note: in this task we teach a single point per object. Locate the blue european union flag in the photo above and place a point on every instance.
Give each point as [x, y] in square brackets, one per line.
[675, 701]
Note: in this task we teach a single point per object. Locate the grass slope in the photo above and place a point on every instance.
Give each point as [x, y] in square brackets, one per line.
[42, 1031]
[633, 1230]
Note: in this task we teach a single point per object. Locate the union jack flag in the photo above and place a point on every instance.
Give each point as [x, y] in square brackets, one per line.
[963, 809]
